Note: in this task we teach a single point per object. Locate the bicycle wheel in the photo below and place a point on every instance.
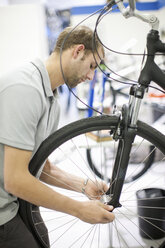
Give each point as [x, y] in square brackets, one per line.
[143, 165]
[69, 144]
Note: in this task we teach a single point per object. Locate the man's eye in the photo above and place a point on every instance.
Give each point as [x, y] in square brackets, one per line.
[92, 67]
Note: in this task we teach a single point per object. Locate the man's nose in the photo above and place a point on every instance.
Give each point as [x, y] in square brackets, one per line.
[90, 74]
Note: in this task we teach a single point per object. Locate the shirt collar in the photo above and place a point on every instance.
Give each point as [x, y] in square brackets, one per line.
[46, 80]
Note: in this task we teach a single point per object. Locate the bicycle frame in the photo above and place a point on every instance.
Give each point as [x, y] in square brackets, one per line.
[126, 131]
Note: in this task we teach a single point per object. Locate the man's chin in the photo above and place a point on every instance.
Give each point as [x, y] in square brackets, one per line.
[73, 85]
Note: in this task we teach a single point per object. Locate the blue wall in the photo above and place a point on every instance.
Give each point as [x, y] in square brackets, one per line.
[156, 5]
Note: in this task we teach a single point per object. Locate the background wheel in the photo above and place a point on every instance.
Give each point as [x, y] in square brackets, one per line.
[142, 165]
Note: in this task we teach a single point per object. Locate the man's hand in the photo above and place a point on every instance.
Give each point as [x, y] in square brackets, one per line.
[95, 189]
[95, 212]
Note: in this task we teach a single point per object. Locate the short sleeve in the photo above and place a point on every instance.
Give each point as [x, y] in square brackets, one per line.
[20, 110]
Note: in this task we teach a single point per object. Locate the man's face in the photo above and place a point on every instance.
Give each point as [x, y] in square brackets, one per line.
[83, 69]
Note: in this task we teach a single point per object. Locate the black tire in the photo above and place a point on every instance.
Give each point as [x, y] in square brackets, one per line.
[65, 134]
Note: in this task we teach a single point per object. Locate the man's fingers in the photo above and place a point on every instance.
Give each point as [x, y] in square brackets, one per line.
[105, 187]
[109, 216]
[96, 212]
[106, 207]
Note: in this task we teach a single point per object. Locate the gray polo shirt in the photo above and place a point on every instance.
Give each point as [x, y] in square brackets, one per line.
[29, 113]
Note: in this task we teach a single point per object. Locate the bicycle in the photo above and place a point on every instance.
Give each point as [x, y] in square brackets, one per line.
[124, 129]
[157, 109]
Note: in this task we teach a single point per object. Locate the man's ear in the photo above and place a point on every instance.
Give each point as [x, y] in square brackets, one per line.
[78, 50]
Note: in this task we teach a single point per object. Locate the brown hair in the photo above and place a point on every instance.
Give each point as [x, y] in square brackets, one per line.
[79, 35]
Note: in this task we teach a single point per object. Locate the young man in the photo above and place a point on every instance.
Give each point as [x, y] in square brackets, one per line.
[29, 114]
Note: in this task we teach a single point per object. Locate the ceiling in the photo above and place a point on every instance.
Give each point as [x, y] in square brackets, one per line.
[73, 3]
[58, 4]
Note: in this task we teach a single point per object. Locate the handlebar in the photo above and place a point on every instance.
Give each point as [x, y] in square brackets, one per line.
[131, 11]
[151, 71]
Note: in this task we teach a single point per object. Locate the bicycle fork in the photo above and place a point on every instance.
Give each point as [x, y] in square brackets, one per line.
[125, 134]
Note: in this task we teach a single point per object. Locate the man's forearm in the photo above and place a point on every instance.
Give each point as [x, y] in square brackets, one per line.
[32, 190]
[53, 175]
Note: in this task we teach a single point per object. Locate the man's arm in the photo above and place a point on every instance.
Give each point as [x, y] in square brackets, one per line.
[53, 175]
[19, 182]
